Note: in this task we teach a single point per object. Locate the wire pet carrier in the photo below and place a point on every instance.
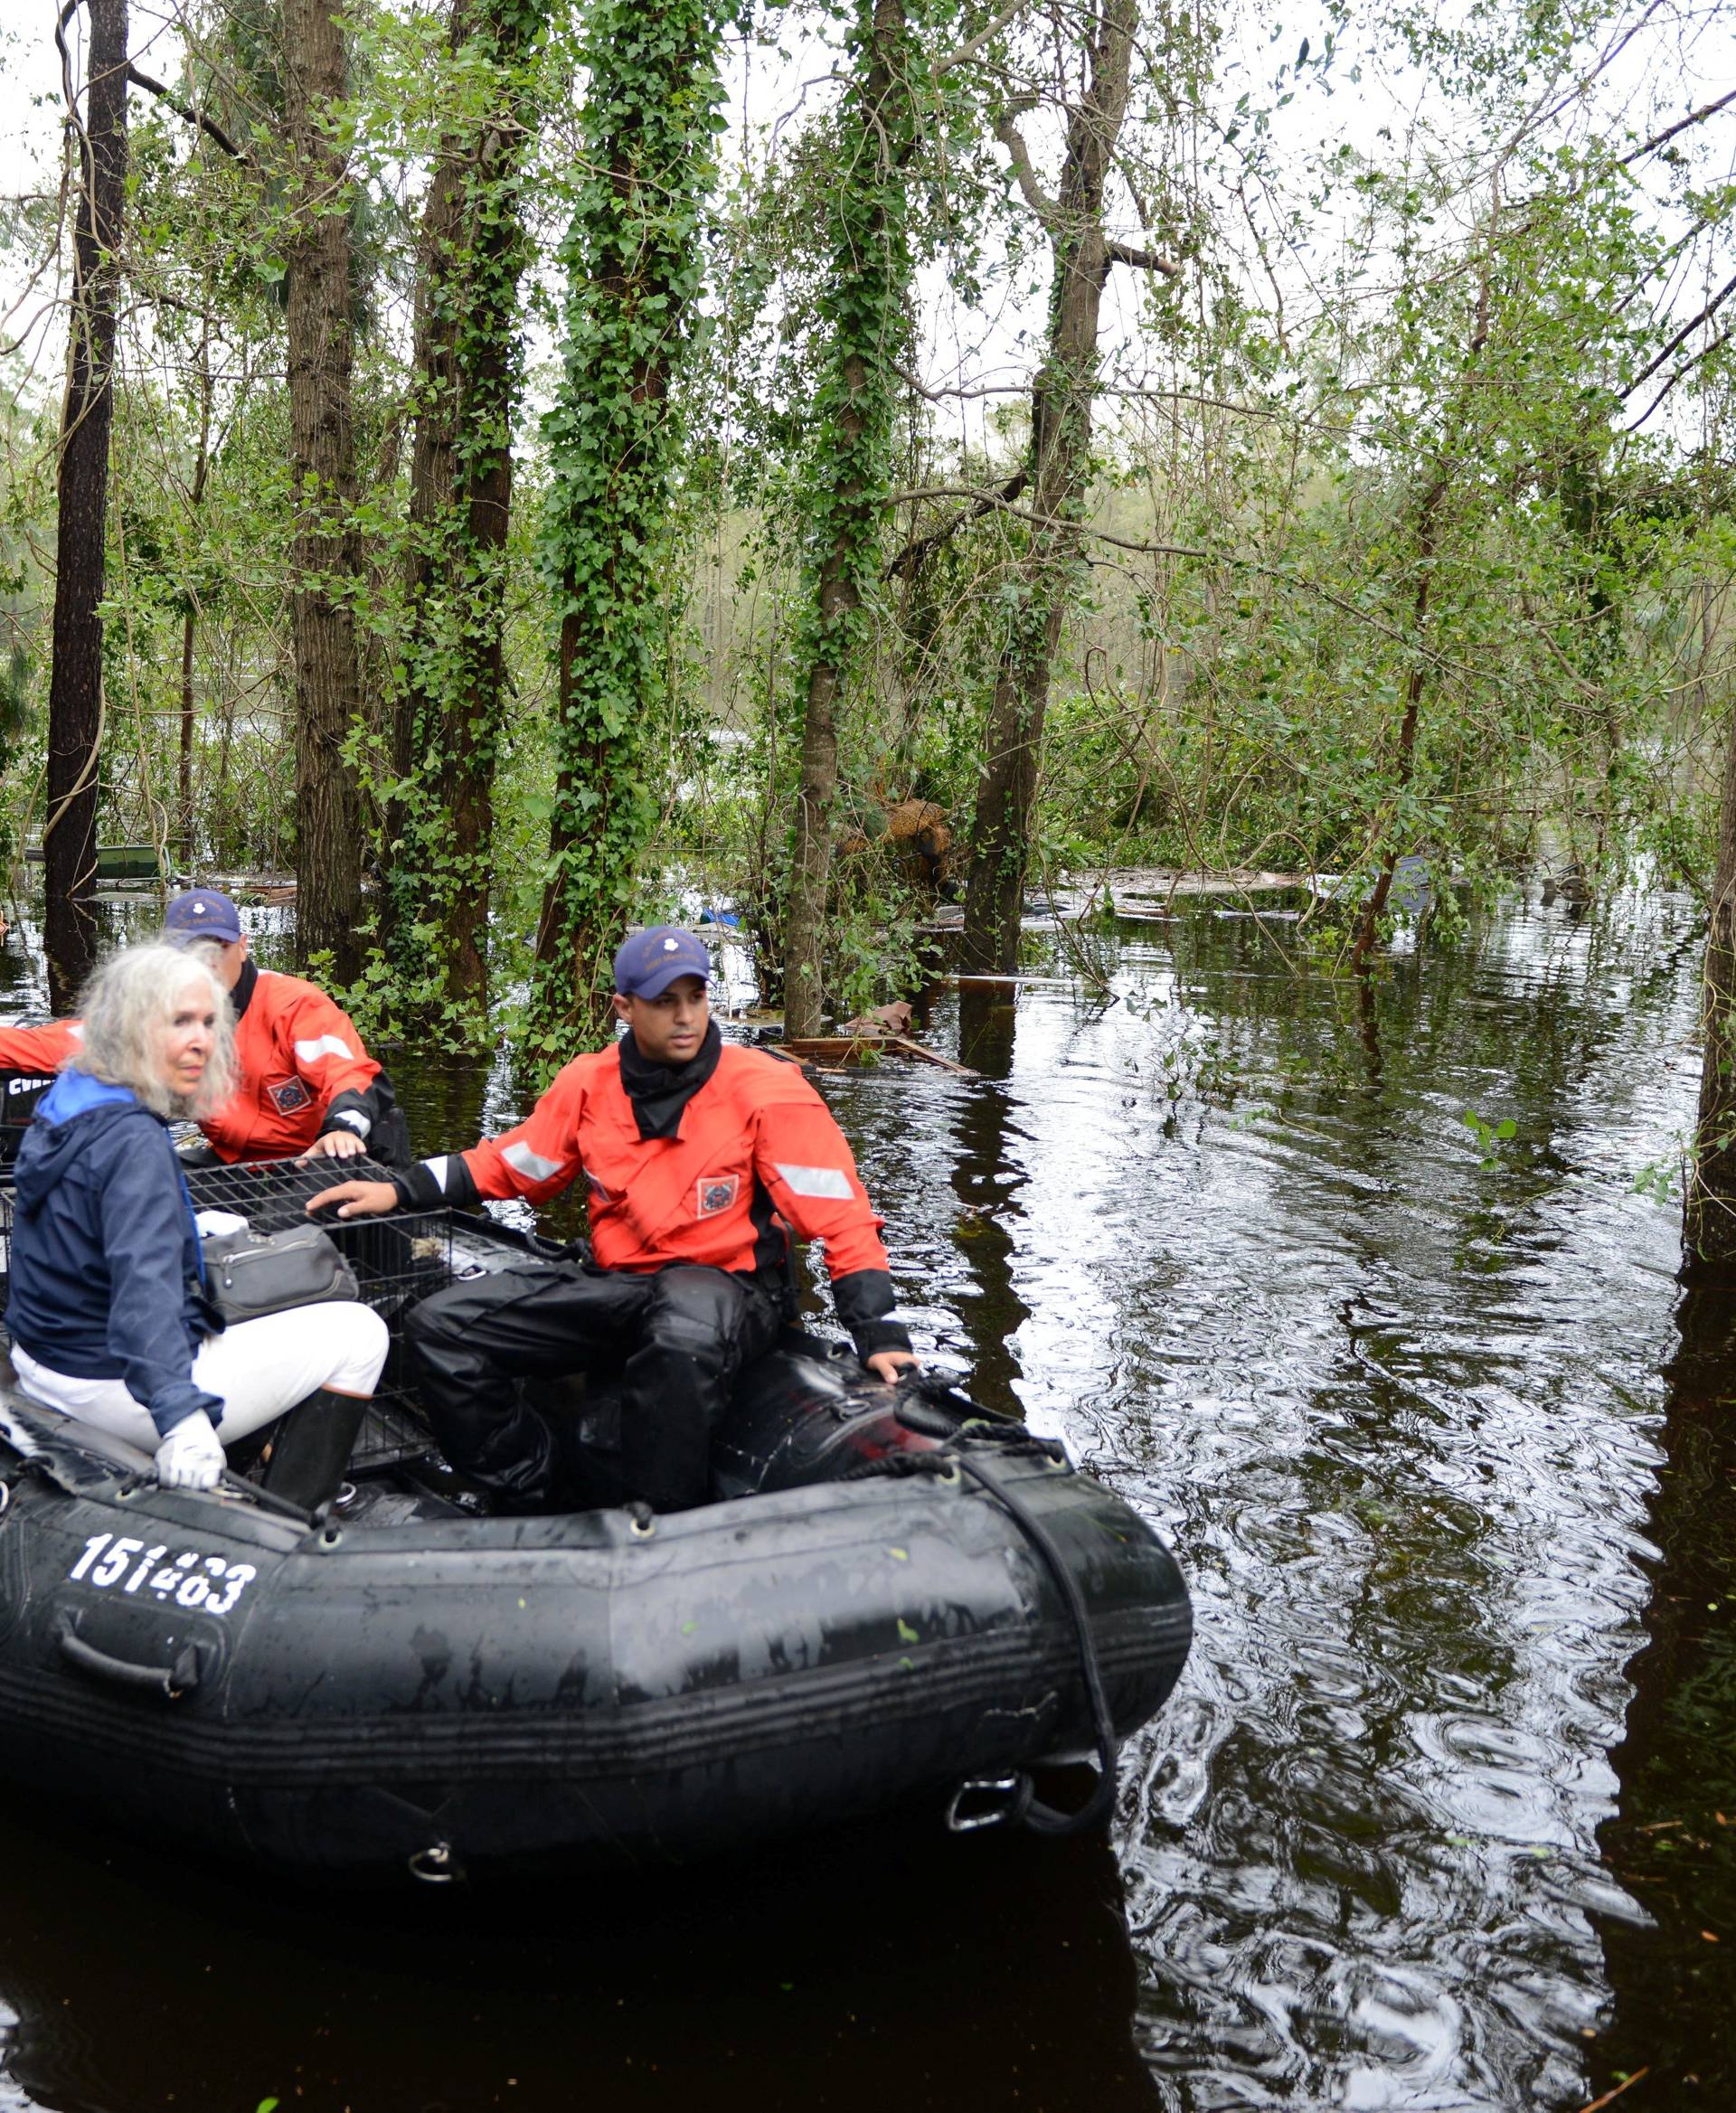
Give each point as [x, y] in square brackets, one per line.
[396, 1260]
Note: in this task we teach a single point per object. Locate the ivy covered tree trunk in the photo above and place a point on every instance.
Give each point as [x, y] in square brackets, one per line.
[75, 681]
[1059, 470]
[325, 551]
[1710, 1217]
[186, 818]
[632, 260]
[863, 306]
[469, 369]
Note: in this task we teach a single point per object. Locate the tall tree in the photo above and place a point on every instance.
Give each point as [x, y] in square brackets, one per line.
[326, 550]
[1057, 472]
[1709, 1216]
[75, 699]
[862, 309]
[469, 361]
[634, 265]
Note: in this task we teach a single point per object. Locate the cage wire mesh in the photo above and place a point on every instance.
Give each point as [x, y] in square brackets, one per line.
[396, 1260]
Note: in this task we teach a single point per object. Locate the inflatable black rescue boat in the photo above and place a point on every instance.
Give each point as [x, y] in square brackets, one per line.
[894, 1600]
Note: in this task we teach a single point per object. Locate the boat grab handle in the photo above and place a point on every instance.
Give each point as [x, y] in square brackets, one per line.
[170, 1682]
[988, 1801]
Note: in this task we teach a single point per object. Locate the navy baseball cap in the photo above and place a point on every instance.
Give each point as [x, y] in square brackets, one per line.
[202, 914]
[650, 961]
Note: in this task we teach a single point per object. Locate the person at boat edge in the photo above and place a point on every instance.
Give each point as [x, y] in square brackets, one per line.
[305, 1085]
[105, 1306]
[701, 1159]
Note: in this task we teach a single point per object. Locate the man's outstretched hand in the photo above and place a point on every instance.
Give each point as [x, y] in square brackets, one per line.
[355, 1199]
[335, 1145]
[885, 1364]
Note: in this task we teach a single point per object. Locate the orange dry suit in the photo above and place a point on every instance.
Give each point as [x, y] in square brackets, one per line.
[29, 1059]
[302, 1070]
[696, 1176]
[754, 1150]
[39, 1050]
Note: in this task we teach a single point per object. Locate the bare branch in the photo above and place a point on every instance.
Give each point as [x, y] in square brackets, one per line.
[967, 52]
[1007, 132]
[993, 502]
[1686, 368]
[1680, 338]
[1141, 259]
[209, 126]
[1694, 117]
[914, 552]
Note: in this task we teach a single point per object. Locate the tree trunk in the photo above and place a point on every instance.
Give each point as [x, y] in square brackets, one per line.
[635, 264]
[468, 370]
[326, 550]
[187, 829]
[1459, 442]
[866, 296]
[75, 683]
[1709, 1219]
[1061, 402]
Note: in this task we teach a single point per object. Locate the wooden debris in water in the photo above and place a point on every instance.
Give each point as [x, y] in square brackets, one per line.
[831, 1050]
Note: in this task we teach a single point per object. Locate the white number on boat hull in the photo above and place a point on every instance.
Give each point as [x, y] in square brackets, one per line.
[206, 1581]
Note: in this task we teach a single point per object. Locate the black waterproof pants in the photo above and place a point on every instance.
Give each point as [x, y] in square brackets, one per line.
[684, 1333]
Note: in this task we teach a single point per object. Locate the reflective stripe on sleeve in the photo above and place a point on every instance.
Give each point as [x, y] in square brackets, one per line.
[354, 1120]
[530, 1165]
[438, 1167]
[816, 1181]
[323, 1045]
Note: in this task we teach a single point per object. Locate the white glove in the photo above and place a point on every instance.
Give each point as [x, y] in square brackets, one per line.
[190, 1458]
[219, 1224]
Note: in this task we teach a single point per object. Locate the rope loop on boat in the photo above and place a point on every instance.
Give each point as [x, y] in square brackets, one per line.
[956, 1456]
[1028, 1807]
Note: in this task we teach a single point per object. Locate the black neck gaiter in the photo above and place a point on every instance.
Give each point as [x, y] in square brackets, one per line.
[659, 1092]
[242, 995]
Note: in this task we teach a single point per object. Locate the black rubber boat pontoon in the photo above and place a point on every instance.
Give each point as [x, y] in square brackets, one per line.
[894, 1600]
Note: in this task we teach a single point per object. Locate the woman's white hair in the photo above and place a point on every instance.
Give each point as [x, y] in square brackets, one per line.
[125, 1007]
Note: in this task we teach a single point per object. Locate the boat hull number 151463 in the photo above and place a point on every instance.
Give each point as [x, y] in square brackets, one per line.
[210, 1583]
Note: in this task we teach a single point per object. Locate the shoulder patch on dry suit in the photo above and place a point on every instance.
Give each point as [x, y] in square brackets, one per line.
[717, 1194]
[288, 1096]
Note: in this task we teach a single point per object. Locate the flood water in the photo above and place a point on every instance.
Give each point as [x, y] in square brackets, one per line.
[1443, 1813]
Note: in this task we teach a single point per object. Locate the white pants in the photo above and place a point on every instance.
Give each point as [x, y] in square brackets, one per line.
[257, 1368]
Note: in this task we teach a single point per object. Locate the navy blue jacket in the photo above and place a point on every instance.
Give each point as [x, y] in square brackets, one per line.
[105, 1255]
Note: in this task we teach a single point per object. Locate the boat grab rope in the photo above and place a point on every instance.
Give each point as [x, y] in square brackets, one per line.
[1024, 1805]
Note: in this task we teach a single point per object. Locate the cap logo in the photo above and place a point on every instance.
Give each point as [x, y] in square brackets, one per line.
[671, 946]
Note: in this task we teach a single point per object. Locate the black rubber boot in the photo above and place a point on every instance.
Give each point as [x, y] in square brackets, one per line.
[313, 1447]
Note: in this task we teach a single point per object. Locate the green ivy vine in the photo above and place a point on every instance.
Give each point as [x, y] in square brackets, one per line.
[633, 259]
[863, 317]
[451, 712]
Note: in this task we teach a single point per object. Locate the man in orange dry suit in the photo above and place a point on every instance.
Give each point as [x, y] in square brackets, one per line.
[307, 1083]
[700, 1158]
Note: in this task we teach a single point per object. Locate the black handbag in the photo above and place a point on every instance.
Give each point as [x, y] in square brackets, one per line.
[248, 1274]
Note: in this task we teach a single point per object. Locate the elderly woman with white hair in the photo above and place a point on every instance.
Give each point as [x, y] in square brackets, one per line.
[107, 1321]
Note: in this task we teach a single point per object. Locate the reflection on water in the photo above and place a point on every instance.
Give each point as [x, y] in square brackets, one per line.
[1451, 1491]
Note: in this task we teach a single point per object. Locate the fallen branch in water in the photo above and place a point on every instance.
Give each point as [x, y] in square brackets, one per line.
[851, 1049]
[1626, 2082]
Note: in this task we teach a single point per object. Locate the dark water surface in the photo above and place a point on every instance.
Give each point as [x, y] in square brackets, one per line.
[1443, 1813]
